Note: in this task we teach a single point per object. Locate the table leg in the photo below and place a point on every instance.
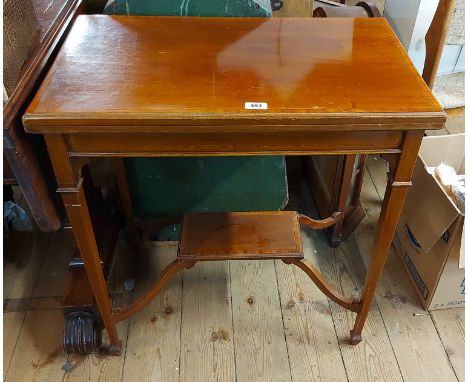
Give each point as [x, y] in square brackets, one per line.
[71, 189]
[78, 214]
[398, 183]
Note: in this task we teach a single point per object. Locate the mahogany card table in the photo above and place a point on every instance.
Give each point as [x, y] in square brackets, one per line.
[193, 86]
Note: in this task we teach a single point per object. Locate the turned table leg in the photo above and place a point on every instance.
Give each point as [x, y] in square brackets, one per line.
[71, 189]
[398, 183]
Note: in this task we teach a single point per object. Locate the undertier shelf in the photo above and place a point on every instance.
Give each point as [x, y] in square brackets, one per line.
[240, 236]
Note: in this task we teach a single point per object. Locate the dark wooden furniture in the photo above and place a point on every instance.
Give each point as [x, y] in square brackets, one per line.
[27, 162]
[26, 157]
[335, 181]
[164, 93]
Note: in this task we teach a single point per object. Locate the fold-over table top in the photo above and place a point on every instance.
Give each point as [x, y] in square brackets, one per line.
[168, 72]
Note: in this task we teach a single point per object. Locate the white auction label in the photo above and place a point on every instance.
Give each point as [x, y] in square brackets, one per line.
[256, 105]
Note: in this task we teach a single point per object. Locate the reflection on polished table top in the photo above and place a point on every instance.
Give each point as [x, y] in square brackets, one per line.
[124, 71]
[165, 86]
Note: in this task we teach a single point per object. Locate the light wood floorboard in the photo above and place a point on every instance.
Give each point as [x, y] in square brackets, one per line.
[310, 334]
[411, 335]
[260, 346]
[38, 354]
[153, 348]
[207, 343]
[243, 321]
[12, 323]
[450, 323]
[277, 327]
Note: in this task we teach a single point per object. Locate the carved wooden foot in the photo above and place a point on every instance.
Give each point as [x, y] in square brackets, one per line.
[82, 333]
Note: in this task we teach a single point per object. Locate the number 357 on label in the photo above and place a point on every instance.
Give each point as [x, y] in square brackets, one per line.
[256, 105]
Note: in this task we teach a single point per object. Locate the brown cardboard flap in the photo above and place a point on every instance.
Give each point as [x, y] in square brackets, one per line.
[429, 212]
[449, 149]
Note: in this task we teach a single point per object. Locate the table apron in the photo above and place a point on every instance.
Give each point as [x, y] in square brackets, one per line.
[232, 144]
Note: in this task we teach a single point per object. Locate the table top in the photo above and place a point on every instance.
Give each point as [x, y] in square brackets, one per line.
[168, 72]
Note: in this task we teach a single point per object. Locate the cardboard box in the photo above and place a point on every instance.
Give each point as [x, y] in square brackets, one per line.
[430, 229]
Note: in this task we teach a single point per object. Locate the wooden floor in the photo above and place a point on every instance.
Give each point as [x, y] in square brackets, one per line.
[243, 321]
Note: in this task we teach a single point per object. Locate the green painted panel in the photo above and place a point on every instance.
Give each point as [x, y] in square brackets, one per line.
[167, 187]
[235, 8]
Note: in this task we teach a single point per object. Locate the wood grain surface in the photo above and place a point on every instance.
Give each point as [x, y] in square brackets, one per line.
[373, 358]
[450, 325]
[240, 235]
[308, 324]
[132, 71]
[153, 349]
[207, 335]
[38, 354]
[260, 343]
[12, 323]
